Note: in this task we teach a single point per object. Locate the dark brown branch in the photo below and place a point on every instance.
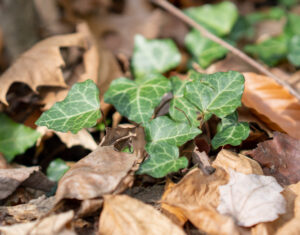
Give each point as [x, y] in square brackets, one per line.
[175, 11]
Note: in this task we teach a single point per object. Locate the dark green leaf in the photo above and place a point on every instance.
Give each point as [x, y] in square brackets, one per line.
[154, 56]
[137, 100]
[203, 49]
[218, 93]
[164, 159]
[80, 109]
[15, 138]
[57, 169]
[218, 18]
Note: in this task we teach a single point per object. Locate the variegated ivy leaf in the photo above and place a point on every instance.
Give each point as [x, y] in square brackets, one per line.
[218, 18]
[203, 49]
[230, 132]
[164, 158]
[154, 56]
[218, 93]
[137, 100]
[80, 109]
[163, 129]
[15, 138]
[181, 110]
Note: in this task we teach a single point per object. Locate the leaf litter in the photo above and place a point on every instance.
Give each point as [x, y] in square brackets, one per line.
[89, 196]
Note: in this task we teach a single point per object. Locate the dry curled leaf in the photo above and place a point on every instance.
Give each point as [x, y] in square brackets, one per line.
[59, 224]
[40, 65]
[279, 157]
[124, 215]
[251, 199]
[11, 179]
[272, 103]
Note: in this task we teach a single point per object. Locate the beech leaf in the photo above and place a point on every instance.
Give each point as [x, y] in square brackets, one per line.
[218, 18]
[137, 100]
[218, 93]
[231, 132]
[203, 49]
[251, 199]
[154, 56]
[78, 110]
[15, 138]
[164, 158]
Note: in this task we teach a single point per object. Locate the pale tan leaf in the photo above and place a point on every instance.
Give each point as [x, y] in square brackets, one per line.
[273, 103]
[53, 225]
[251, 199]
[123, 215]
[40, 65]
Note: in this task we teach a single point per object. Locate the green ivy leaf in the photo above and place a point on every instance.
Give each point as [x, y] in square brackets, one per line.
[154, 56]
[203, 49]
[57, 169]
[218, 93]
[163, 129]
[274, 13]
[218, 18]
[137, 100]
[292, 26]
[270, 51]
[15, 138]
[294, 50]
[80, 109]
[164, 159]
[181, 110]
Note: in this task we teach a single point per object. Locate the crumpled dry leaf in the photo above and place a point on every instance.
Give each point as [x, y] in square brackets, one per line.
[83, 138]
[197, 195]
[22, 213]
[279, 157]
[125, 215]
[272, 103]
[11, 179]
[40, 65]
[251, 199]
[53, 225]
[287, 223]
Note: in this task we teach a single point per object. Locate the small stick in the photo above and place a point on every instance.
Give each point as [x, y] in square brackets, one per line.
[175, 11]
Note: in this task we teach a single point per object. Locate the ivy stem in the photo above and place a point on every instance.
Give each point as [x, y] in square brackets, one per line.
[175, 11]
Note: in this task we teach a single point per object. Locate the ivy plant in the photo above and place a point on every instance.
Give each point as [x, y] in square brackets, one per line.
[194, 101]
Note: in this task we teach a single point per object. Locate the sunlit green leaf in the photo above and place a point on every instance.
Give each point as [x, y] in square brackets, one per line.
[181, 110]
[57, 169]
[218, 18]
[80, 109]
[154, 56]
[163, 129]
[15, 138]
[294, 50]
[137, 100]
[218, 93]
[164, 159]
[204, 50]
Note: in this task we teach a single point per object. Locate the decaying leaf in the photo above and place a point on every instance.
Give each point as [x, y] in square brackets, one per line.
[22, 213]
[124, 215]
[53, 225]
[31, 177]
[279, 157]
[41, 65]
[273, 103]
[251, 199]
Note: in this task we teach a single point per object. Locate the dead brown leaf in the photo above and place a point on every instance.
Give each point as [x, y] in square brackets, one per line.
[124, 215]
[22, 213]
[59, 224]
[11, 179]
[40, 65]
[273, 104]
[279, 157]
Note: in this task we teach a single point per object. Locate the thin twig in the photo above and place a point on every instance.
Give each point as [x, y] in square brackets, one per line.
[175, 11]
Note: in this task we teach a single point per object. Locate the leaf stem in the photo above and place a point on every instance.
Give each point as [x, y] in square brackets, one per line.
[175, 11]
